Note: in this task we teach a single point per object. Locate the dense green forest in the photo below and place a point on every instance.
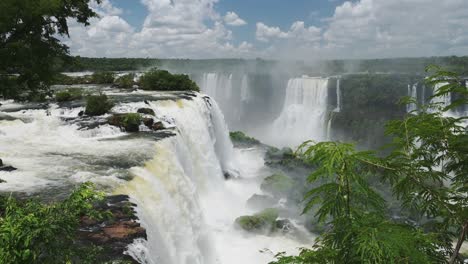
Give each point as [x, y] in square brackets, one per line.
[398, 65]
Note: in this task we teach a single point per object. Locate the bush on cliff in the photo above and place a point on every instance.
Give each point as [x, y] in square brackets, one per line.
[161, 80]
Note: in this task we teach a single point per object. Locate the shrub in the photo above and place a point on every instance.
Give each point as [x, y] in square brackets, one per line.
[102, 78]
[32, 232]
[69, 95]
[125, 81]
[98, 105]
[161, 80]
[242, 138]
[131, 122]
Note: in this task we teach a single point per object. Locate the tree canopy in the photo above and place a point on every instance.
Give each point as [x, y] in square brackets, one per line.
[30, 41]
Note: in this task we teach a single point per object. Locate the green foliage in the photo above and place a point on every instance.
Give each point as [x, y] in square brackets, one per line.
[161, 80]
[277, 184]
[32, 232]
[132, 121]
[263, 221]
[125, 81]
[29, 41]
[102, 78]
[242, 138]
[69, 94]
[426, 170]
[98, 105]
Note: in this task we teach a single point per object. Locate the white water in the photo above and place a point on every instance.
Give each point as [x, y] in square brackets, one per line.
[186, 205]
[184, 202]
[338, 96]
[304, 114]
[413, 93]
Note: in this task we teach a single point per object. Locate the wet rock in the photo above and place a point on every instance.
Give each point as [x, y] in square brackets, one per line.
[284, 225]
[146, 111]
[114, 233]
[81, 113]
[130, 122]
[6, 168]
[148, 122]
[158, 126]
[262, 222]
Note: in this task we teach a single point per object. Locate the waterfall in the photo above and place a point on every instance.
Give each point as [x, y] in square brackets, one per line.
[413, 93]
[338, 96]
[245, 93]
[304, 113]
[167, 188]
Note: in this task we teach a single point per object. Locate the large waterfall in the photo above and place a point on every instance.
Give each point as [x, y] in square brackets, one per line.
[304, 114]
[178, 182]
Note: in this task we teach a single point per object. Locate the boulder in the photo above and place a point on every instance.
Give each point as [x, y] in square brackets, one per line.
[158, 126]
[6, 168]
[262, 222]
[146, 111]
[130, 122]
[148, 122]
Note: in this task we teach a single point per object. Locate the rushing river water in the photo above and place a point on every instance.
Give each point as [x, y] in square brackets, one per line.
[176, 177]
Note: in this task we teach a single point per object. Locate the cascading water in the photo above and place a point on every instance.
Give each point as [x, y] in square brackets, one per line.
[304, 114]
[413, 93]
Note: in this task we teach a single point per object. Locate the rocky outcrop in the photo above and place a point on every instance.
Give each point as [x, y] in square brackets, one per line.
[146, 111]
[115, 232]
[6, 168]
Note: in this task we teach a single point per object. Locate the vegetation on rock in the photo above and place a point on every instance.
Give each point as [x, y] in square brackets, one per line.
[32, 232]
[125, 81]
[69, 94]
[128, 121]
[264, 221]
[239, 137]
[162, 80]
[98, 105]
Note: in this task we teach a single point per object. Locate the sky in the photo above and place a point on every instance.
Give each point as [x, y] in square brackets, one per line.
[273, 29]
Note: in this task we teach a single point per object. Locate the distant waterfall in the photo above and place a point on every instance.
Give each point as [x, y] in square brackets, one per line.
[304, 114]
[245, 89]
[413, 93]
[338, 96]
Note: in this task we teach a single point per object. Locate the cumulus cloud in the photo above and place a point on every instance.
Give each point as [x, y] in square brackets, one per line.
[172, 28]
[297, 32]
[378, 28]
[356, 29]
[232, 19]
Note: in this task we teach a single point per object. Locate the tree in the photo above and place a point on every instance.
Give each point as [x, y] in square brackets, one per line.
[30, 44]
[427, 172]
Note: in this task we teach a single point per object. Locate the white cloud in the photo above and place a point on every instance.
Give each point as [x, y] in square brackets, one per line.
[194, 29]
[172, 28]
[297, 32]
[377, 28]
[232, 19]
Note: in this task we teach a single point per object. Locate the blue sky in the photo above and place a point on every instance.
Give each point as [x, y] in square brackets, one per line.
[276, 12]
[282, 29]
